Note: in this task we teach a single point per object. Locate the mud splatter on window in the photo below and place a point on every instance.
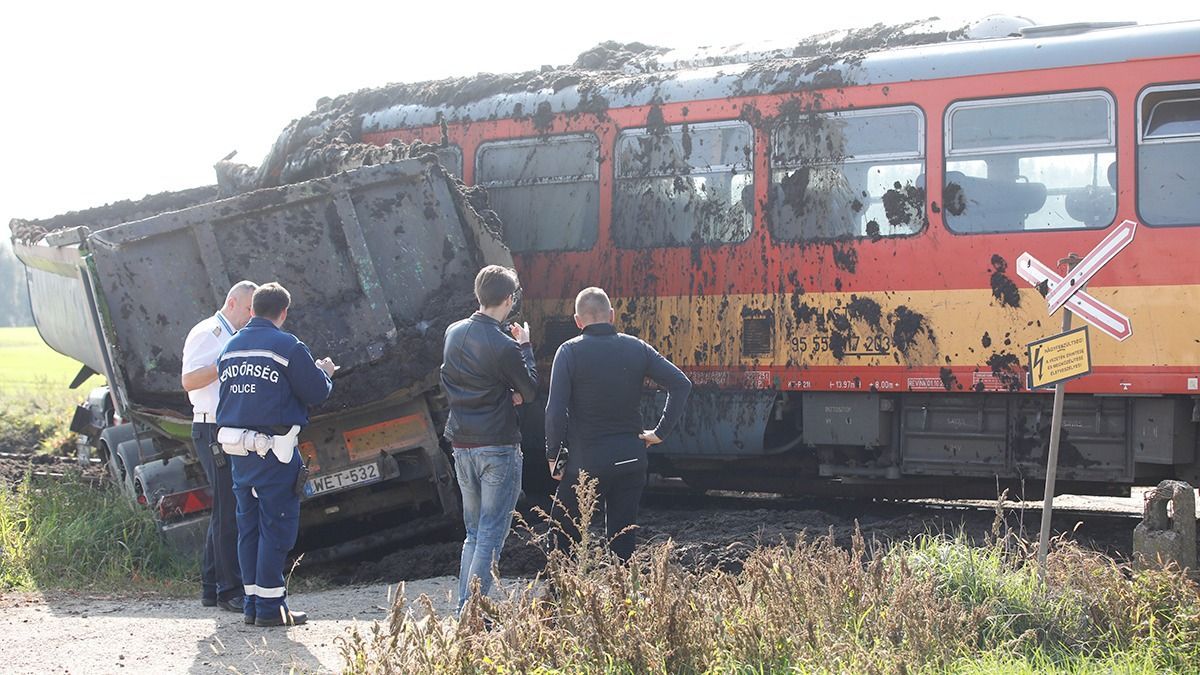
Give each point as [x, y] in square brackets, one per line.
[1169, 156]
[684, 185]
[849, 174]
[546, 190]
[1031, 163]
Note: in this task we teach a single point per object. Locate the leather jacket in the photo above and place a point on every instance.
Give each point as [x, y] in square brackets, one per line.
[481, 368]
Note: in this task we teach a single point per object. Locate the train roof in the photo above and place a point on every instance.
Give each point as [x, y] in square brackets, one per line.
[656, 76]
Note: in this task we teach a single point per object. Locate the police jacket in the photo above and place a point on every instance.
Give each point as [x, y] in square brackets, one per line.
[481, 367]
[268, 379]
[596, 383]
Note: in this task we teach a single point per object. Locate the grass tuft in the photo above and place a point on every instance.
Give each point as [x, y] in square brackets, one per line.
[67, 534]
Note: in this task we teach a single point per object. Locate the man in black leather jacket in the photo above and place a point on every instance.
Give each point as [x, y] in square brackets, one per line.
[486, 374]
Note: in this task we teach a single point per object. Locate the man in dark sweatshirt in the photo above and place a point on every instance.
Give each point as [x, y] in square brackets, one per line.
[486, 374]
[595, 395]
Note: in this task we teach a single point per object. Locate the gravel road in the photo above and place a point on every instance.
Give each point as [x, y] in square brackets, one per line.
[66, 633]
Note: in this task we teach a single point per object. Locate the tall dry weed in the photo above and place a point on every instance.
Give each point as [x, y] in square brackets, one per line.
[929, 604]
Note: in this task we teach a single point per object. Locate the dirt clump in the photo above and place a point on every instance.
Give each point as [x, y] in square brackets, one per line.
[101, 217]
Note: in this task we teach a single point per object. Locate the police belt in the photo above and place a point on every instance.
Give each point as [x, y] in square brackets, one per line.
[242, 442]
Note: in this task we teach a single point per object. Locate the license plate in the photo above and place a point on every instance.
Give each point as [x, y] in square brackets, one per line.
[340, 480]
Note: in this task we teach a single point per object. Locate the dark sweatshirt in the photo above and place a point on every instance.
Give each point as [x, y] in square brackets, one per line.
[596, 381]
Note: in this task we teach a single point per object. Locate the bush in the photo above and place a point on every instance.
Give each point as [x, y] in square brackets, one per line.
[932, 604]
[68, 534]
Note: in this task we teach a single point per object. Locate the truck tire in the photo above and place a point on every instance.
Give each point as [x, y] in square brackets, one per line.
[110, 439]
[129, 455]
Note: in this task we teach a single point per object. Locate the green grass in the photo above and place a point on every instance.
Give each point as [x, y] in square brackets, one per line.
[68, 534]
[28, 364]
[35, 403]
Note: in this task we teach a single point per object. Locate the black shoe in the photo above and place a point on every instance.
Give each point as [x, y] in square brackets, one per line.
[292, 619]
[208, 602]
[233, 604]
[248, 619]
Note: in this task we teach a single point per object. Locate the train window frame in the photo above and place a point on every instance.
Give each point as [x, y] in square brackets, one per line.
[744, 167]
[1143, 140]
[918, 155]
[457, 150]
[950, 153]
[592, 235]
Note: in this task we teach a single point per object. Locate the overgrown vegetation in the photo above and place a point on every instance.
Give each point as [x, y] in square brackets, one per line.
[68, 533]
[936, 603]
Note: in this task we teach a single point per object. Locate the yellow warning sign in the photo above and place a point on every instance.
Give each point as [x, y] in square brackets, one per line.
[1060, 358]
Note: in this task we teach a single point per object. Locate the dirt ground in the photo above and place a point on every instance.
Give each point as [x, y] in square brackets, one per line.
[99, 634]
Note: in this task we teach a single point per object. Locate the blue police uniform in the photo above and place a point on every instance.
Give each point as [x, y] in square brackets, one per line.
[268, 380]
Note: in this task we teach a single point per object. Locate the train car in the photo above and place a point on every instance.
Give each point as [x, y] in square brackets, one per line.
[828, 247]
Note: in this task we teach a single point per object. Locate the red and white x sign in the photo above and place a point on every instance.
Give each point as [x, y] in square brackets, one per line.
[1106, 250]
[1100, 315]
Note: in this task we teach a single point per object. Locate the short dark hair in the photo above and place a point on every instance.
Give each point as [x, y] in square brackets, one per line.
[493, 284]
[270, 300]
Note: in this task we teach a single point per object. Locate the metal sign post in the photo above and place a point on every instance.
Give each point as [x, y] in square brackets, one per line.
[1052, 456]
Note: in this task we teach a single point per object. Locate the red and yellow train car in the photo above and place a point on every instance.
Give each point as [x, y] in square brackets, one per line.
[827, 247]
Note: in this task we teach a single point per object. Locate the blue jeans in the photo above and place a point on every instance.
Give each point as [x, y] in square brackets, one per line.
[490, 480]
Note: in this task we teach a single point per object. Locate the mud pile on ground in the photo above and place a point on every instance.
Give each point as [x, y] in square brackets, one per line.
[14, 467]
[722, 538]
[98, 218]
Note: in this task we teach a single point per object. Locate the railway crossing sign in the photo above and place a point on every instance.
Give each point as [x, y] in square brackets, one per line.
[1059, 358]
[1102, 316]
[1105, 251]
[1056, 359]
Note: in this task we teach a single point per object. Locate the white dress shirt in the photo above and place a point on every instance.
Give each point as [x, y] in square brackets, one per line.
[202, 348]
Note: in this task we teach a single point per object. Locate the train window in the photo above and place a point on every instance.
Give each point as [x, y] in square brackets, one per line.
[546, 190]
[683, 185]
[848, 174]
[451, 158]
[1031, 163]
[1169, 155]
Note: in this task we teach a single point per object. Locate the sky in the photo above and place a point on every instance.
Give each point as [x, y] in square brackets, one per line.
[116, 100]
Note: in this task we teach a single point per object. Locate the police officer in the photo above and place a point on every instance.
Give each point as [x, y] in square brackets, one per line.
[594, 407]
[268, 380]
[221, 581]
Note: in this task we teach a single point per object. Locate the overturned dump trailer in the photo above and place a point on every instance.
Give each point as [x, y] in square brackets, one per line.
[378, 260]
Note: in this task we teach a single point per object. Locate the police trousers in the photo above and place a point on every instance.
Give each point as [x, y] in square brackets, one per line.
[268, 519]
[220, 576]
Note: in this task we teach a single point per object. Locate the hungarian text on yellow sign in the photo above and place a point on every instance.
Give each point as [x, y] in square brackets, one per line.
[1059, 358]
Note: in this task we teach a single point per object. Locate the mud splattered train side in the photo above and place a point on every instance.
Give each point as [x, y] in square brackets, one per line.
[825, 240]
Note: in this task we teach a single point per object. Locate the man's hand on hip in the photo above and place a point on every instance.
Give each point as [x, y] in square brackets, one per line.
[649, 438]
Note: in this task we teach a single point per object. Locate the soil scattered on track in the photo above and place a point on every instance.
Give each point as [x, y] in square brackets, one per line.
[713, 537]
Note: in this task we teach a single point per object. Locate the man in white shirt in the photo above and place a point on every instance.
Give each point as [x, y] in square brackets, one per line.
[220, 577]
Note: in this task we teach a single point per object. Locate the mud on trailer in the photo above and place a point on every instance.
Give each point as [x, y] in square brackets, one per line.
[378, 260]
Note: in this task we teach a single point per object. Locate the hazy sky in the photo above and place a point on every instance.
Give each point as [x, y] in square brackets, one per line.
[112, 100]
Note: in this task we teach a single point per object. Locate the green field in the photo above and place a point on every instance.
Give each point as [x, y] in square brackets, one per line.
[28, 365]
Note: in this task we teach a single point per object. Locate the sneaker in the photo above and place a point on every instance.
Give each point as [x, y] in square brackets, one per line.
[233, 604]
[285, 617]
